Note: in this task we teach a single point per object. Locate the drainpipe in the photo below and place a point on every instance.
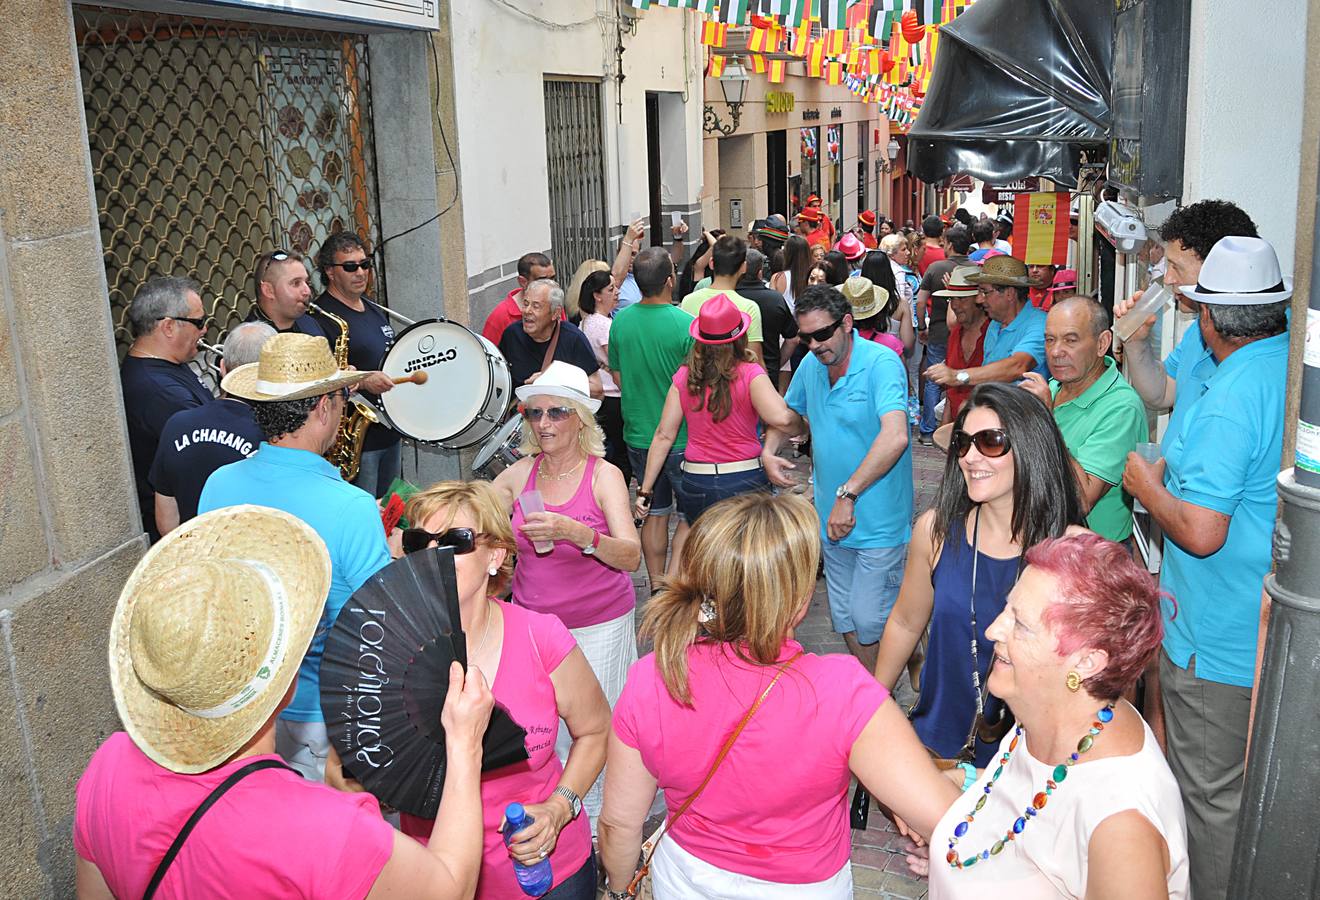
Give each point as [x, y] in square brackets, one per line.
[1277, 841]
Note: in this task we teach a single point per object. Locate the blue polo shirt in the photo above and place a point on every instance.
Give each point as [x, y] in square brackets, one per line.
[845, 420]
[346, 517]
[1190, 365]
[1025, 334]
[1225, 458]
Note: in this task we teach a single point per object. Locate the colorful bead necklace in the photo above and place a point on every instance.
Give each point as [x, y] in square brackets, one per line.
[1102, 718]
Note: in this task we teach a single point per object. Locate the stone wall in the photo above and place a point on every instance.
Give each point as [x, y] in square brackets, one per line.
[69, 527]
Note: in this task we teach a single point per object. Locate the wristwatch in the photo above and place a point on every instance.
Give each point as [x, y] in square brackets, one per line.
[574, 802]
[844, 494]
[963, 376]
[590, 549]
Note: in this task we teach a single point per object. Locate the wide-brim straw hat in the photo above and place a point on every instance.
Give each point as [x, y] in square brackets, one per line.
[1003, 271]
[291, 366]
[866, 299]
[210, 630]
[960, 284]
[561, 379]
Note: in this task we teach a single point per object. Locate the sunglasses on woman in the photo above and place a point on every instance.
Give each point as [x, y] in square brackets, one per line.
[991, 442]
[554, 413]
[463, 540]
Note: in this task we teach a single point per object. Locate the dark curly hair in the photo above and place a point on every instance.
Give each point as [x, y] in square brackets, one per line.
[277, 418]
[337, 243]
[1202, 225]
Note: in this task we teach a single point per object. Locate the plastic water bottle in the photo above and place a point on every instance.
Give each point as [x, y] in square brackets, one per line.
[914, 410]
[536, 879]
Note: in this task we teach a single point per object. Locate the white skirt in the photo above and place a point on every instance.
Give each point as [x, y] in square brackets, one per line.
[678, 875]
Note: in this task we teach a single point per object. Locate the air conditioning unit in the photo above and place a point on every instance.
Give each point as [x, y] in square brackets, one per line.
[1121, 226]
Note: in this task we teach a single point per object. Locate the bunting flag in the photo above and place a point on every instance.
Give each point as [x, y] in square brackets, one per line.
[833, 14]
[835, 42]
[714, 34]
[764, 40]
[816, 59]
[1040, 228]
[928, 11]
[730, 12]
[758, 64]
[795, 12]
[834, 72]
[776, 73]
[715, 68]
[640, 4]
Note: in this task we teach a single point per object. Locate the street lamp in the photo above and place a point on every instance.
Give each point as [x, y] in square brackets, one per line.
[733, 85]
[892, 152]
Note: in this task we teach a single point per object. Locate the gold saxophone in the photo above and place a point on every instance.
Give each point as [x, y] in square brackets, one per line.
[346, 454]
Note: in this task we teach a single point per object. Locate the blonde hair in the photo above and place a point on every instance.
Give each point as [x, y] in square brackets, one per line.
[754, 558]
[891, 242]
[489, 512]
[591, 439]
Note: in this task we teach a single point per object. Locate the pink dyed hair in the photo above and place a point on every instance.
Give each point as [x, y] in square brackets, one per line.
[1106, 601]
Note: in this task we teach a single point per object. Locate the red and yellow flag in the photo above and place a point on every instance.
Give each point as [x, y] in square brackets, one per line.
[776, 73]
[758, 64]
[834, 72]
[816, 59]
[714, 34]
[1040, 228]
[715, 68]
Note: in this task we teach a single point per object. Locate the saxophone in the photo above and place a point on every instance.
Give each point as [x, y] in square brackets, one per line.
[346, 454]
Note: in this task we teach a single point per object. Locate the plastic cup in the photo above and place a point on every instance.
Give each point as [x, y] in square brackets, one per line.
[1148, 451]
[1153, 300]
[532, 502]
[674, 219]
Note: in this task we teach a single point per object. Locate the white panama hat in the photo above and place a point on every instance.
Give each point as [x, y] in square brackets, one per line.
[1240, 271]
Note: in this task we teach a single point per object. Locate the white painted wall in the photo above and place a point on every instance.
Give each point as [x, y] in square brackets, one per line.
[500, 58]
[1244, 111]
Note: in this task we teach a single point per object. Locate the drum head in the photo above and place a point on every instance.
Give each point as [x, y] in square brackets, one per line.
[458, 385]
[495, 442]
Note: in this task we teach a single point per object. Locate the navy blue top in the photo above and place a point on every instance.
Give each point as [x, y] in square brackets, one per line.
[370, 336]
[525, 355]
[154, 390]
[198, 441]
[304, 324]
[947, 705]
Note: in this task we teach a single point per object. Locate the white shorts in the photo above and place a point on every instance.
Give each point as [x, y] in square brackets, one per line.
[678, 875]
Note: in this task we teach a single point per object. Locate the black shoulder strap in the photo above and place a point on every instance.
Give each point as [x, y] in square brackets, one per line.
[196, 817]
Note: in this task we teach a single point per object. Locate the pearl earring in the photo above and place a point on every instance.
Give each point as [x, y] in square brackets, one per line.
[494, 571]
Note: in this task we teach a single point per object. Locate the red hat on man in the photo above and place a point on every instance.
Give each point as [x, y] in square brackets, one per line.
[813, 200]
[811, 214]
[867, 218]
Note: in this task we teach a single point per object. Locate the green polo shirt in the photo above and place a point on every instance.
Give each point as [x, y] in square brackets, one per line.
[1100, 428]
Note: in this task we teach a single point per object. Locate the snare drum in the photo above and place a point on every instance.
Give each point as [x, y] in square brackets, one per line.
[500, 450]
[466, 393]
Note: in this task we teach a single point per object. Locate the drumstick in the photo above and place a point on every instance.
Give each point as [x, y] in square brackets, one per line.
[414, 378]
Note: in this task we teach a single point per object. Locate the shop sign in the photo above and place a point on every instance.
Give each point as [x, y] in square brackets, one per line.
[836, 113]
[779, 102]
[810, 115]
[962, 183]
[424, 14]
[1005, 193]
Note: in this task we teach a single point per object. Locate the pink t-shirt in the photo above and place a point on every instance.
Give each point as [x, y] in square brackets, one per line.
[580, 590]
[534, 646]
[884, 339]
[731, 440]
[273, 834]
[597, 329]
[777, 807]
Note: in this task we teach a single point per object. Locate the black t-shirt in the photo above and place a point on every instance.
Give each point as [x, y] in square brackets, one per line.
[933, 281]
[304, 324]
[526, 355]
[370, 336]
[776, 320]
[154, 390]
[196, 442]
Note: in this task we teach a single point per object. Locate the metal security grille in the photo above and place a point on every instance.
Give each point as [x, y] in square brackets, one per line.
[575, 154]
[213, 142]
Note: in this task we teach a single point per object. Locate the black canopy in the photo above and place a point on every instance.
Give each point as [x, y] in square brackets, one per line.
[1019, 88]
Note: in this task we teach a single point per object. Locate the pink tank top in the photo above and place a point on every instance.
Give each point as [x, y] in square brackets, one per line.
[580, 590]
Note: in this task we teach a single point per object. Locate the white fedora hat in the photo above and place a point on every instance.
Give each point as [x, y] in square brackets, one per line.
[1240, 271]
[561, 379]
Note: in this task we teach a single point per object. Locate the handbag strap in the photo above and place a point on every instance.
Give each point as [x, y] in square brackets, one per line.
[550, 348]
[719, 758]
[196, 817]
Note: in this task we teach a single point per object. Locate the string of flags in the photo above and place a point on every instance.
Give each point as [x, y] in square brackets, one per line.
[882, 51]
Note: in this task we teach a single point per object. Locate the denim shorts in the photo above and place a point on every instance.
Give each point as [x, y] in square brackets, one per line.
[863, 586]
[701, 492]
[667, 485]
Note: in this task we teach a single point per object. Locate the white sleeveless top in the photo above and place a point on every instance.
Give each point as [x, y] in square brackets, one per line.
[1049, 858]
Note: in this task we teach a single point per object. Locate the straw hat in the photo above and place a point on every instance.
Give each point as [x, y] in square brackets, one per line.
[561, 379]
[959, 284]
[1240, 271]
[720, 321]
[210, 630]
[291, 366]
[1005, 271]
[867, 299]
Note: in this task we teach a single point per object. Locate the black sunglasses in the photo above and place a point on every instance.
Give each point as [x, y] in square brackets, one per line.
[555, 413]
[364, 265]
[991, 442]
[821, 335]
[199, 324]
[463, 540]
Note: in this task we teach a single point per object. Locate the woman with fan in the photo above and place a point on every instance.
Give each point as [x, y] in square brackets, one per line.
[1008, 484]
[752, 739]
[539, 676]
[576, 539]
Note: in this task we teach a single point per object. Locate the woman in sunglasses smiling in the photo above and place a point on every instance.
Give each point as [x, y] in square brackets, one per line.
[538, 674]
[1007, 486]
[584, 579]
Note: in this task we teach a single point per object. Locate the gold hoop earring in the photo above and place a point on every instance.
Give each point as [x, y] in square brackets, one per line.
[1073, 681]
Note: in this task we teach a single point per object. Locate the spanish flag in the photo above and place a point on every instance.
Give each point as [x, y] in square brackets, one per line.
[758, 64]
[716, 66]
[1040, 228]
[776, 73]
[714, 34]
[816, 59]
[834, 72]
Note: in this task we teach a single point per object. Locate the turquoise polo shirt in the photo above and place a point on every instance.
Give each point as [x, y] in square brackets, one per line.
[1025, 334]
[1100, 428]
[1226, 457]
[845, 420]
[346, 517]
[1190, 365]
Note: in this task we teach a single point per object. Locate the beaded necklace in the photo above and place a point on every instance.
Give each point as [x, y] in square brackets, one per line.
[1102, 718]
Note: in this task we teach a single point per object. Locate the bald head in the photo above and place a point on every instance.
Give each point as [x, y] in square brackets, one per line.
[1077, 339]
[1094, 313]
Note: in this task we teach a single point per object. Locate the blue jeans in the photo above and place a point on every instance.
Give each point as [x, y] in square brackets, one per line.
[667, 485]
[930, 391]
[581, 885]
[378, 470]
[703, 491]
[863, 586]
